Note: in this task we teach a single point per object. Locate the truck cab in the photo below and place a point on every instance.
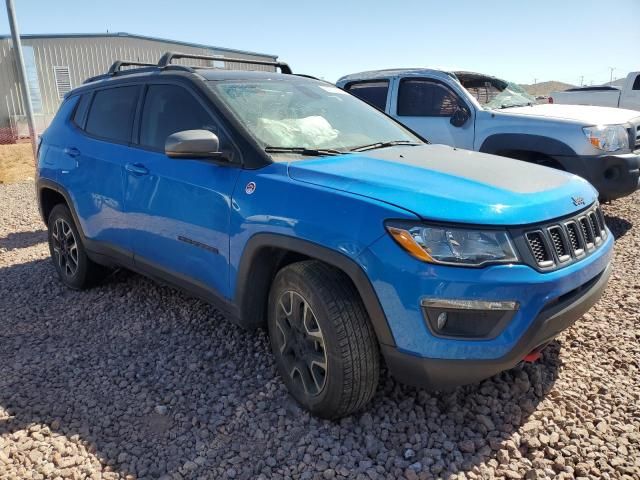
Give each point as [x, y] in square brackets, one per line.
[483, 113]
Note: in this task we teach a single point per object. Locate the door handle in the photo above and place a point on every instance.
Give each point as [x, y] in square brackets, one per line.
[72, 151]
[136, 169]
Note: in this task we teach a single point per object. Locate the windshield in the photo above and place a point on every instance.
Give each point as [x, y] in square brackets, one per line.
[493, 93]
[309, 115]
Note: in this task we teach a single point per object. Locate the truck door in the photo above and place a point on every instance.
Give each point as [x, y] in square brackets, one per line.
[426, 105]
[630, 97]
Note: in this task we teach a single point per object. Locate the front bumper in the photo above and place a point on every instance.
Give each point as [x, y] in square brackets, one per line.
[613, 175]
[548, 303]
[441, 374]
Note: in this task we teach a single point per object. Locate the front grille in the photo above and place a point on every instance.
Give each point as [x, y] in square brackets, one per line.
[638, 136]
[560, 243]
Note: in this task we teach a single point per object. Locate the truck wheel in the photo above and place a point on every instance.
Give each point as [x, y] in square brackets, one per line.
[74, 268]
[324, 345]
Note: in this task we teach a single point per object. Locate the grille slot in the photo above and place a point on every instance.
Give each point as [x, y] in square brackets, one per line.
[557, 238]
[539, 249]
[574, 238]
[595, 227]
[603, 223]
[587, 233]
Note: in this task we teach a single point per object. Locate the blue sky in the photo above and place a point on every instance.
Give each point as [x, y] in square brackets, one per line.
[518, 40]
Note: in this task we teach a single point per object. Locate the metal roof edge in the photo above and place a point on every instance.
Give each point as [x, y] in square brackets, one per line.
[140, 37]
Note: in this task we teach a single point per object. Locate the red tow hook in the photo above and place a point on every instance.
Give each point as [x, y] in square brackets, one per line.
[535, 354]
[532, 357]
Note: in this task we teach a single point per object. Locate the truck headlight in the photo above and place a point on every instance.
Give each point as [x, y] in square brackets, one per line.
[453, 246]
[608, 137]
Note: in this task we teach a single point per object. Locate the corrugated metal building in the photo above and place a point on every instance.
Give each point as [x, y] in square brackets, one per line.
[57, 63]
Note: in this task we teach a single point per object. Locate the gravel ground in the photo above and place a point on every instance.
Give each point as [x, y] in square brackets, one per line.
[135, 380]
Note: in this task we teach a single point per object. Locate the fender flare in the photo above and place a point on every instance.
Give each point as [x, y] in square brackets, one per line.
[246, 285]
[525, 142]
[45, 183]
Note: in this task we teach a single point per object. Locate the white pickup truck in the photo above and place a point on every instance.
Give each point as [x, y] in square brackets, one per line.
[626, 97]
[487, 114]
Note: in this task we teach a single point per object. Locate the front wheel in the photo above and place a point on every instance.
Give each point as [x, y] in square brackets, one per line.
[323, 342]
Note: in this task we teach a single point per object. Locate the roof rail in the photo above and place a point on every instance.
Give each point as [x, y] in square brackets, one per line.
[116, 68]
[166, 59]
[118, 64]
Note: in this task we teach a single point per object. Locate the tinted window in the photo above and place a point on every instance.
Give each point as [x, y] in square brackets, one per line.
[374, 93]
[111, 114]
[636, 83]
[423, 98]
[81, 109]
[169, 109]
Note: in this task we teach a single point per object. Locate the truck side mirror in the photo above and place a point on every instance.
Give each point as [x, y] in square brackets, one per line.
[460, 116]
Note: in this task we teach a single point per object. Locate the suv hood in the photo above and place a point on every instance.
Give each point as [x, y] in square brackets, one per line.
[583, 114]
[441, 183]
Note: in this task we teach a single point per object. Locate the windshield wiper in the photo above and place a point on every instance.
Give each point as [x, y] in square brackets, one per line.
[373, 146]
[311, 152]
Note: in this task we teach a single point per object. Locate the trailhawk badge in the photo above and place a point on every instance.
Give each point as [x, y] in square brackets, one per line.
[250, 188]
[577, 201]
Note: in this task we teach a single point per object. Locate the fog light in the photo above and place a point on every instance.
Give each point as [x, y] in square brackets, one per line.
[442, 320]
[467, 318]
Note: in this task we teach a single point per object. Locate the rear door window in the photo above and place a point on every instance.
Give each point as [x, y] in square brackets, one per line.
[112, 112]
[374, 93]
[425, 98]
[636, 83]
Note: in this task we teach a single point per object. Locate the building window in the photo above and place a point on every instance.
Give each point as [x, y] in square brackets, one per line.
[63, 80]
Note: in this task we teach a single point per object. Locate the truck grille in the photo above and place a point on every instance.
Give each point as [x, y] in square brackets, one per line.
[560, 243]
[637, 146]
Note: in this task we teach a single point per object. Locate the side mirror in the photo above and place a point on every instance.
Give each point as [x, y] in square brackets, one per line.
[193, 144]
[460, 117]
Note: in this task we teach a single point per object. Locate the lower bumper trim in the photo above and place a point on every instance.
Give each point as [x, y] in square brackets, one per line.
[445, 374]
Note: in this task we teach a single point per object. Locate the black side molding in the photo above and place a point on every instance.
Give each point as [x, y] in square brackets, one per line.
[524, 142]
[252, 265]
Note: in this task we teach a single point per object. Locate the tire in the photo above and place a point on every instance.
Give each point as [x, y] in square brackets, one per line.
[68, 254]
[324, 345]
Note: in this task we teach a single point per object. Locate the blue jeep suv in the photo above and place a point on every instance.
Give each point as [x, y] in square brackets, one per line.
[294, 206]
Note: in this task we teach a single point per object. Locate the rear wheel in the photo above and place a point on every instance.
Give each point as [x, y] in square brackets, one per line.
[324, 345]
[69, 257]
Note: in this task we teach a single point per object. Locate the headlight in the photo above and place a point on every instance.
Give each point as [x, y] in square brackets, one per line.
[608, 137]
[454, 246]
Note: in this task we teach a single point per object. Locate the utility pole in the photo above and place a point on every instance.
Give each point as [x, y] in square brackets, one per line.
[22, 74]
[611, 76]
[581, 80]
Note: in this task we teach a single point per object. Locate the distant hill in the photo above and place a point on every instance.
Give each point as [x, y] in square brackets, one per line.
[617, 83]
[545, 88]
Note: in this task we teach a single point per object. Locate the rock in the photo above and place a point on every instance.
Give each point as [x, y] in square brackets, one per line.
[409, 453]
[486, 421]
[467, 446]
[161, 410]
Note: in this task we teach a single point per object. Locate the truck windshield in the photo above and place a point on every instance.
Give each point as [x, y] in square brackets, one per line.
[492, 92]
[300, 116]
